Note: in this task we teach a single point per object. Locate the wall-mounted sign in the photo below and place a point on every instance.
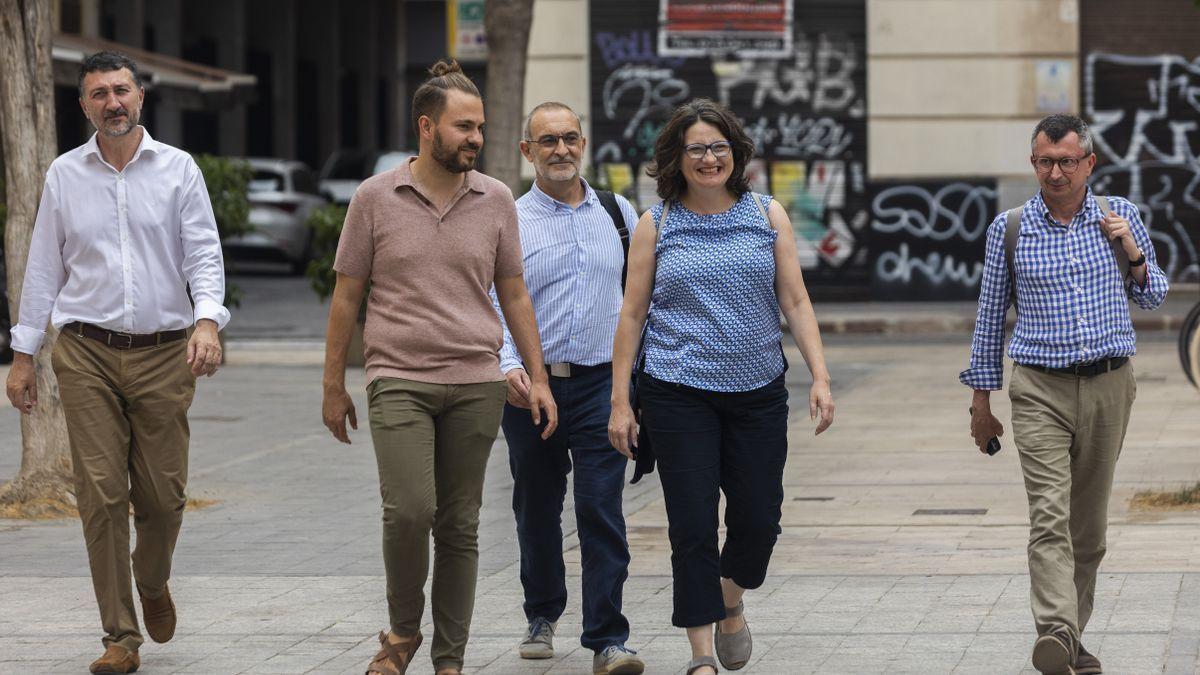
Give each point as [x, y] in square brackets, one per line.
[466, 39]
[750, 28]
[1053, 80]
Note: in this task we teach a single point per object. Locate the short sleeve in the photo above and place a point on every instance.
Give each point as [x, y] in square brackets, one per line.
[508, 245]
[356, 246]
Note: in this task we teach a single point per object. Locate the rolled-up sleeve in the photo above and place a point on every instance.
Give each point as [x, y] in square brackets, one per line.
[44, 273]
[986, 370]
[1152, 294]
[203, 264]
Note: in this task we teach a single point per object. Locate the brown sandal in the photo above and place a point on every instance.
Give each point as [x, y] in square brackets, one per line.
[391, 660]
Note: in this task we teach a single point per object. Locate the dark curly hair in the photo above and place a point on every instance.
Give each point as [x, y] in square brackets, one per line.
[669, 152]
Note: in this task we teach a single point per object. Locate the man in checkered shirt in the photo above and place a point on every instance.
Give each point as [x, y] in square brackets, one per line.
[1072, 386]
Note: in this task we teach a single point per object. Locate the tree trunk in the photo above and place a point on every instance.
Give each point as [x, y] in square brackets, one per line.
[43, 485]
[507, 25]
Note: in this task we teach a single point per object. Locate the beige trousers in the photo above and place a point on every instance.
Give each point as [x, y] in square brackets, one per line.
[1068, 431]
[432, 443]
[126, 414]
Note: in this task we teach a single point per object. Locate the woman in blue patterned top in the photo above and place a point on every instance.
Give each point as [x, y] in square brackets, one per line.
[710, 269]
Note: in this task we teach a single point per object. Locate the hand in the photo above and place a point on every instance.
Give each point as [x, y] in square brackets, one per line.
[540, 399]
[1115, 227]
[518, 387]
[336, 406]
[984, 426]
[820, 403]
[22, 383]
[623, 429]
[204, 349]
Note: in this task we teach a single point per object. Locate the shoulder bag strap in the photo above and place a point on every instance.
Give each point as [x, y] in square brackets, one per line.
[1118, 250]
[609, 201]
[1012, 231]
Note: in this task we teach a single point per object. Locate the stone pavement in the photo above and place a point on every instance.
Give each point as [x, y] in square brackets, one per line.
[902, 547]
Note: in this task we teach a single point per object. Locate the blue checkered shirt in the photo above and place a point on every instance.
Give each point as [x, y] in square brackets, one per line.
[1071, 299]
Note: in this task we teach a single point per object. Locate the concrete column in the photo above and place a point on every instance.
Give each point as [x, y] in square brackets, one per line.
[283, 82]
[392, 63]
[89, 18]
[319, 34]
[131, 22]
[230, 36]
[166, 17]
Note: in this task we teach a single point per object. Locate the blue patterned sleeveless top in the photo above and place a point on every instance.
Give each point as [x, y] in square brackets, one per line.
[714, 318]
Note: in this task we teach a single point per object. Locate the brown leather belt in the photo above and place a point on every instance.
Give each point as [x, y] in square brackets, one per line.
[118, 340]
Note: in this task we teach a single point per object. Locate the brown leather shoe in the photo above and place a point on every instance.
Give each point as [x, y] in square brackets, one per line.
[159, 616]
[116, 659]
[1086, 663]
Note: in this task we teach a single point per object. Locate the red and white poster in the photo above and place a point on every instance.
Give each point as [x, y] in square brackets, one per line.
[749, 28]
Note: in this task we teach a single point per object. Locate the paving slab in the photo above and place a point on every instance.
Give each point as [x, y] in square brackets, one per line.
[902, 547]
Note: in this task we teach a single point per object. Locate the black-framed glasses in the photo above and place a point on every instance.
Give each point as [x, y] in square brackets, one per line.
[699, 150]
[550, 141]
[1065, 164]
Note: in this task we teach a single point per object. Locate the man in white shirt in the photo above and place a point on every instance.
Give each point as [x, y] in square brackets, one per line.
[124, 231]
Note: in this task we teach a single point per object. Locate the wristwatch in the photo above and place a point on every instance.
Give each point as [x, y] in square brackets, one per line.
[1141, 260]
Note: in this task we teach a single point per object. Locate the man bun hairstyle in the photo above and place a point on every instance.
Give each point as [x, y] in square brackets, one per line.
[106, 62]
[430, 97]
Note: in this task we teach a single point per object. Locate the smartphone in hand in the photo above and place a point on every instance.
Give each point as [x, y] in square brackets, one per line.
[993, 445]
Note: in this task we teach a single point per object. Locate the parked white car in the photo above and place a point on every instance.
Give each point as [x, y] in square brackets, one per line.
[283, 193]
[346, 169]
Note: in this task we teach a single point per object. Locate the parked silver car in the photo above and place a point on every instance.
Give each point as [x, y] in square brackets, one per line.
[283, 194]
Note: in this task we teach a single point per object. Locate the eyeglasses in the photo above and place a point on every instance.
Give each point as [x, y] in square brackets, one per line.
[699, 150]
[1066, 164]
[550, 141]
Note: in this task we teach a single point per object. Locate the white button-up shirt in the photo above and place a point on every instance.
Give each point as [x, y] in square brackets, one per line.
[119, 249]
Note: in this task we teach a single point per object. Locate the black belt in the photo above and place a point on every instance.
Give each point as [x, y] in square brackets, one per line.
[118, 340]
[574, 369]
[1084, 369]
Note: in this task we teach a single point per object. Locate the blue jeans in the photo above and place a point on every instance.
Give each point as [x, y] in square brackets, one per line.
[539, 470]
[706, 443]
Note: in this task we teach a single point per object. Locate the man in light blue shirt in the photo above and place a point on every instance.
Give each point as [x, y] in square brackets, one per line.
[574, 262]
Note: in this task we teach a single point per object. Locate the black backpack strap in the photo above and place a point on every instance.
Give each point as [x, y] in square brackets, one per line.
[609, 201]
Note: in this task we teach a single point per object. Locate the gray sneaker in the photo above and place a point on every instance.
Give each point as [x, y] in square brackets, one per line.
[539, 640]
[617, 660]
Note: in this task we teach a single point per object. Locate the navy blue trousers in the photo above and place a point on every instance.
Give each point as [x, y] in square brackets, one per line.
[539, 470]
[707, 443]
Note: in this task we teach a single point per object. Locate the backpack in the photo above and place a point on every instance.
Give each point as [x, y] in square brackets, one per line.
[1012, 231]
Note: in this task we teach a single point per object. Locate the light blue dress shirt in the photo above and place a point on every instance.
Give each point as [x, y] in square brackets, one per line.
[573, 261]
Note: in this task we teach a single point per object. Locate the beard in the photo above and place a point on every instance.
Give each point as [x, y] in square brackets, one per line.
[562, 171]
[451, 159]
[112, 126]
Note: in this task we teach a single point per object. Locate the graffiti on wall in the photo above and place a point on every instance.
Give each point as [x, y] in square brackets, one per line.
[1145, 117]
[804, 109]
[927, 239]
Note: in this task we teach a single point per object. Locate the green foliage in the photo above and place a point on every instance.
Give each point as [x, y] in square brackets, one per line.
[228, 182]
[326, 223]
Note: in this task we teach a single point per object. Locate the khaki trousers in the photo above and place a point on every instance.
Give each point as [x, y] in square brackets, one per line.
[126, 414]
[1068, 431]
[432, 443]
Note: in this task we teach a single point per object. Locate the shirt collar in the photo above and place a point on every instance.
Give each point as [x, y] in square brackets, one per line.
[402, 176]
[589, 196]
[148, 144]
[1089, 204]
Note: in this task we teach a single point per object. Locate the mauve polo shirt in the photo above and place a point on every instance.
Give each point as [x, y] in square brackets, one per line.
[429, 316]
